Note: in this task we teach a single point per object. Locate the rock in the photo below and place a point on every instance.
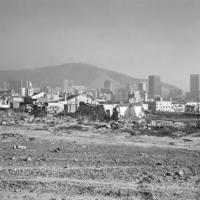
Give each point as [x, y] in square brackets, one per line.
[29, 159]
[12, 122]
[168, 174]
[57, 150]
[109, 126]
[153, 123]
[19, 147]
[141, 154]
[4, 123]
[158, 163]
[137, 132]
[181, 173]
[171, 143]
[13, 158]
[31, 138]
[16, 190]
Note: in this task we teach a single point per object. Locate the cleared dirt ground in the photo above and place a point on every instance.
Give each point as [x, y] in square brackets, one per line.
[96, 164]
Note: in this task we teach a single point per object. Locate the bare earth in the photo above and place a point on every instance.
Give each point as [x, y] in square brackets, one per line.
[96, 164]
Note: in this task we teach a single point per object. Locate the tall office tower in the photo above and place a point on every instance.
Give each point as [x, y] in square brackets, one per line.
[66, 85]
[194, 82]
[15, 87]
[142, 87]
[108, 85]
[154, 86]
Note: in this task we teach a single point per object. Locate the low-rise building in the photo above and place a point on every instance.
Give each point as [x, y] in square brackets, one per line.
[122, 95]
[105, 94]
[52, 97]
[164, 106]
[16, 102]
[160, 106]
[4, 103]
[193, 106]
[178, 108]
[73, 102]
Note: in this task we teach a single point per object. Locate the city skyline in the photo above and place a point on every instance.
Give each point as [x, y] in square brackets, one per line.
[145, 80]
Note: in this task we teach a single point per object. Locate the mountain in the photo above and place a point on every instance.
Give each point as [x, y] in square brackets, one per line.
[80, 73]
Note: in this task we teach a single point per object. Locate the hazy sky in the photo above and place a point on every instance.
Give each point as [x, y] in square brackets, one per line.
[136, 37]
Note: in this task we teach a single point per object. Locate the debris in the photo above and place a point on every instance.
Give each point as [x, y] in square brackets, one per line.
[187, 140]
[31, 139]
[29, 159]
[57, 150]
[13, 158]
[4, 123]
[115, 125]
[168, 174]
[158, 163]
[181, 173]
[19, 147]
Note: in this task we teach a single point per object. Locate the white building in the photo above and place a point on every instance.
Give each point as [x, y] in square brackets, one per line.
[178, 108]
[164, 106]
[194, 104]
[73, 102]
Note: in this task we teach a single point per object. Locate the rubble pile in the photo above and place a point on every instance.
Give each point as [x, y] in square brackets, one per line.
[134, 127]
[9, 118]
[150, 127]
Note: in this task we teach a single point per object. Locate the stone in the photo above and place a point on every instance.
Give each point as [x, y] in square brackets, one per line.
[181, 173]
[29, 159]
[4, 123]
[19, 147]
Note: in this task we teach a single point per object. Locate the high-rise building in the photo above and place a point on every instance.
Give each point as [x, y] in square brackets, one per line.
[66, 85]
[154, 86]
[194, 88]
[108, 85]
[142, 86]
[194, 82]
[123, 94]
[15, 87]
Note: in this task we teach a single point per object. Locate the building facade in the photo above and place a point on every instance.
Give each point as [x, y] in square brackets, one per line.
[194, 82]
[154, 86]
[108, 85]
[122, 95]
[142, 87]
[194, 93]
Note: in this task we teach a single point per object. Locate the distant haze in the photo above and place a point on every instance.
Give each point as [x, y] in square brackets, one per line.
[136, 37]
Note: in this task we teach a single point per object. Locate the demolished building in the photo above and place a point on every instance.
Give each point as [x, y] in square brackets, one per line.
[91, 111]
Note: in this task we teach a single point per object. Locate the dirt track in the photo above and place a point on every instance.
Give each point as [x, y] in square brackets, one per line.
[97, 164]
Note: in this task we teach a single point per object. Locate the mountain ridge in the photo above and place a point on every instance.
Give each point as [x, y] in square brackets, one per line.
[81, 73]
